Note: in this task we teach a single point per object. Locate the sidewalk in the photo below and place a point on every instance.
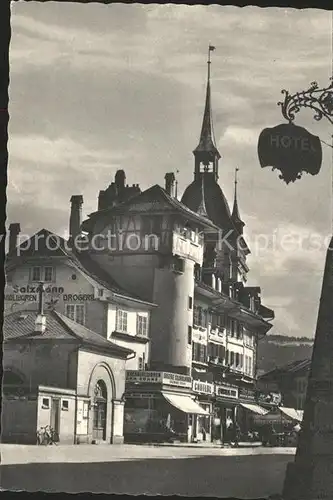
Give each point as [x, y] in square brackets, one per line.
[202, 444]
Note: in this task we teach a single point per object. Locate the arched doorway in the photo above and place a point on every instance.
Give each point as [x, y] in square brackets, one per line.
[99, 413]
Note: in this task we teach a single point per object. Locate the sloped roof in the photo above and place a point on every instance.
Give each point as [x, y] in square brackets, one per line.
[37, 245]
[153, 199]
[20, 325]
[81, 260]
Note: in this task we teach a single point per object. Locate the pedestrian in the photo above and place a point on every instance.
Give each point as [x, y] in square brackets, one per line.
[236, 434]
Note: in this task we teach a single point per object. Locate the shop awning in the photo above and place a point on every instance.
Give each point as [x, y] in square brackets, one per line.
[258, 410]
[292, 413]
[185, 404]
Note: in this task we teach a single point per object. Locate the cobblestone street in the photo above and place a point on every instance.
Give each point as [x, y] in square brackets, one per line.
[189, 471]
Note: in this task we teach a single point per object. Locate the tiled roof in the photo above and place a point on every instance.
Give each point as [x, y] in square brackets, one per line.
[86, 335]
[20, 325]
[84, 262]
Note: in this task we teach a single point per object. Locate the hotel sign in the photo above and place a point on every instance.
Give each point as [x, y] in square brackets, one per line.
[291, 149]
[203, 387]
[166, 378]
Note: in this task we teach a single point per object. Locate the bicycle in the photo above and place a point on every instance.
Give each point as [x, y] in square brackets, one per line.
[46, 435]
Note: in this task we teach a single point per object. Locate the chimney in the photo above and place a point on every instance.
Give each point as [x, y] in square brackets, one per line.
[170, 183]
[40, 323]
[14, 231]
[75, 219]
[120, 179]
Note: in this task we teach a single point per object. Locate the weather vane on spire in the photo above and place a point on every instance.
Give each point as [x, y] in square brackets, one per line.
[236, 170]
[210, 49]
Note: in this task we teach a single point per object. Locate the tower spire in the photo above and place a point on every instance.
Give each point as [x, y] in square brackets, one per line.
[235, 211]
[206, 152]
[202, 207]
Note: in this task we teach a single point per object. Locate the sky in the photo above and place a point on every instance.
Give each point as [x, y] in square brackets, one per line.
[95, 88]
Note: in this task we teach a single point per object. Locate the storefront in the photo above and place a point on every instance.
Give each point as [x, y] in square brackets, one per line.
[160, 406]
[225, 412]
[247, 411]
[204, 392]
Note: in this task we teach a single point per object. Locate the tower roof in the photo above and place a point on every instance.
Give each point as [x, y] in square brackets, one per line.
[202, 207]
[206, 146]
[235, 211]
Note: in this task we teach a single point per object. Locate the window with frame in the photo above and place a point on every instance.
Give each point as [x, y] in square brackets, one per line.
[232, 358]
[196, 315]
[36, 274]
[221, 321]
[65, 404]
[190, 302]
[76, 312]
[239, 330]
[189, 335]
[214, 320]
[237, 359]
[250, 366]
[45, 403]
[142, 325]
[199, 352]
[48, 273]
[121, 320]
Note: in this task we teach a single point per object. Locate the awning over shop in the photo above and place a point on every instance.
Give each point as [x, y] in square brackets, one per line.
[258, 410]
[292, 413]
[185, 404]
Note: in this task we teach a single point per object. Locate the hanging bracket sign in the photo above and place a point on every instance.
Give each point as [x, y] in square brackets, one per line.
[290, 149]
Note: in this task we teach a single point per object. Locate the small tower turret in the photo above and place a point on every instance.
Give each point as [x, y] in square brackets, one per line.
[235, 211]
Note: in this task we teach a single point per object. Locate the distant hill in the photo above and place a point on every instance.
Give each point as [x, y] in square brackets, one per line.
[279, 350]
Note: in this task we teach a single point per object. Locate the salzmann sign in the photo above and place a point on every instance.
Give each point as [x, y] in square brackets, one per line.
[29, 293]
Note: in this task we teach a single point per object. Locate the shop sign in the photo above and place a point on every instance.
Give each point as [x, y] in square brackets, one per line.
[203, 387]
[176, 379]
[167, 378]
[143, 377]
[247, 394]
[271, 397]
[230, 392]
[140, 395]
